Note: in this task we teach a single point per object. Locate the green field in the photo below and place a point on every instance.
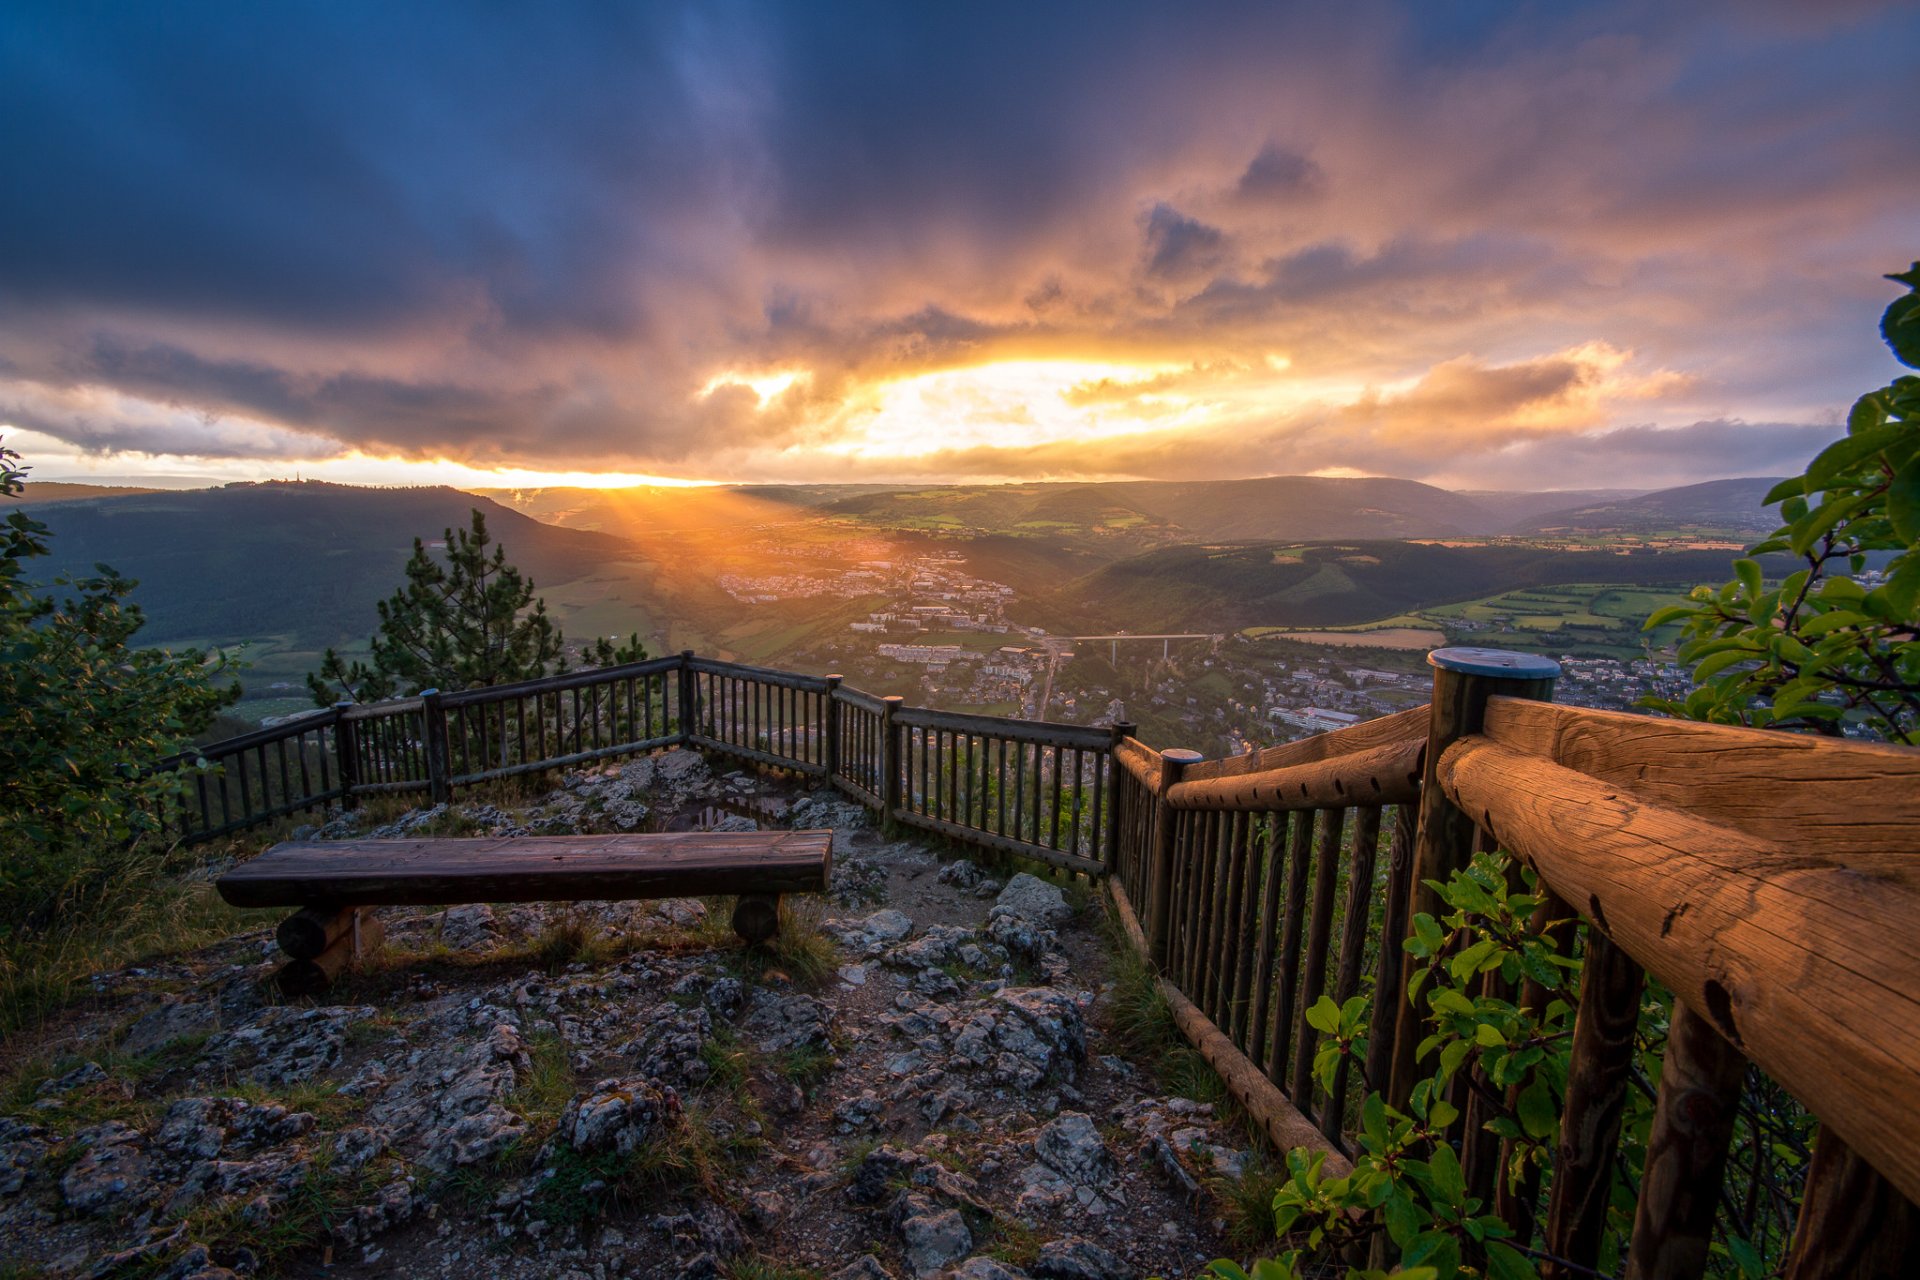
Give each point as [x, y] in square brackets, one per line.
[1582, 618]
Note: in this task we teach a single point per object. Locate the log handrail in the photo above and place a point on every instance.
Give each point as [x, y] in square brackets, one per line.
[1763, 939]
[1381, 775]
[1853, 799]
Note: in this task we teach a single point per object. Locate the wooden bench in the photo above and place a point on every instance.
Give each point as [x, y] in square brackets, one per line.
[334, 881]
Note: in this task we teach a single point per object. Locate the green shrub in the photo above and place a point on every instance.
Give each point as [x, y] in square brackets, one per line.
[83, 716]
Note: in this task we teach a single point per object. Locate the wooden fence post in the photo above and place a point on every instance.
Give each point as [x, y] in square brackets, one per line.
[1115, 827]
[346, 754]
[1463, 680]
[830, 731]
[1854, 1225]
[889, 762]
[434, 723]
[1686, 1159]
[1160, 888]
[689, 696]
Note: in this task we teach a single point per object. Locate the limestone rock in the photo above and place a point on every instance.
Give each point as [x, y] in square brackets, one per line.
[618, 1116]
[173, 1020]
[670, 1048]
[1032, 898]
[986, 1269]
[779, 1024]
[283, 1044]
[931, 1237]
[113, 1174]
[22, 1146]
[1074, 1258]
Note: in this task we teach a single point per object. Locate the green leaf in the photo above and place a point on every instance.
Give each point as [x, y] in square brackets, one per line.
[1903, 504]
[1504, 1262]
[1324, 1016]
[1900, 326]
[1538, 1114]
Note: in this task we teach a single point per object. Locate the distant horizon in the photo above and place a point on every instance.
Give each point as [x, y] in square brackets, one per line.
[182, 484]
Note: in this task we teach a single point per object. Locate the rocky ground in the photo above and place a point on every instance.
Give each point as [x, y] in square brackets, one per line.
[916, 1083]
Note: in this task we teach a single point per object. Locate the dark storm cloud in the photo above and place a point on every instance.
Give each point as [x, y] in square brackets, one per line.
[242, 230]
[1279, 174]
[1178, 245]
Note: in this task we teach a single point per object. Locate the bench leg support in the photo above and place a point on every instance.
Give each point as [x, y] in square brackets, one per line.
[756, 916]
[313, 977]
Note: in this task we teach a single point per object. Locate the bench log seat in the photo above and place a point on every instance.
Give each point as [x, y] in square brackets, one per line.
[332, 880]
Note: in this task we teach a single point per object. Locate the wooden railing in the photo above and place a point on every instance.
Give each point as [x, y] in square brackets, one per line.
[1028, 787]
[1767, 880]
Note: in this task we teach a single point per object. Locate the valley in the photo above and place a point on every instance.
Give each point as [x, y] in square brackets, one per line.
[964, 597]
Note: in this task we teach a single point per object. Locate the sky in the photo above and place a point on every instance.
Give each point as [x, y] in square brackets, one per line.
[1548, 245]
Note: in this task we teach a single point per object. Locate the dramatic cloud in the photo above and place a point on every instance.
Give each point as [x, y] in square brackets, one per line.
[750, 240]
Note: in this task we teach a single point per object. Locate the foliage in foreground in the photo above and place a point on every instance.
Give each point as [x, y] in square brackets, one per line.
[83, 713]
[1820, 648]
[1496, 997]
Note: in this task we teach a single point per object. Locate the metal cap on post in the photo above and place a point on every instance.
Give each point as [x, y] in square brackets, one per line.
[1463, 679]
[1160, 897]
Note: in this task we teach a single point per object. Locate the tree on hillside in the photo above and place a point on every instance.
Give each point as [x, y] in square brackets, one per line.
[463, 623]
[1822, 647]
[82, 713]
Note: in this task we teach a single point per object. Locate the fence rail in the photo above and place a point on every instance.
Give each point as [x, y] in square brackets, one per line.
[1768, 881]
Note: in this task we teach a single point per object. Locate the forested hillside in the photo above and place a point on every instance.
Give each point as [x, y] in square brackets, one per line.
[303, 560]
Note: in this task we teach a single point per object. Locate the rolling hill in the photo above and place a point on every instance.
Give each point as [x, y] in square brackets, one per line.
[1201, 588]
[40, 492]
[303, 560]
[1718, 506]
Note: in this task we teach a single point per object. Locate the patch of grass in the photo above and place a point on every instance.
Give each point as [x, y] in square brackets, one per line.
[1246, 1202]
[326, 1196]
[806, 953]
[571, 940]
[805, 1065]
[321, 1098]
[729, 1063]
[45, 970]
[760, 1267]
[543, 1093]
[109, 1099]
[1013, 1244]
[581, 1187]
[1141, 1021]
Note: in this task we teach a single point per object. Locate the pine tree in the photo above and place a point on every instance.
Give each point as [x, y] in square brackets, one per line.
[468, 622]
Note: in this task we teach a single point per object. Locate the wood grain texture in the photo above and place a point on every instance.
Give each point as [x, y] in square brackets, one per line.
[1807, 962]
[531, 869]
[1401, 726]
[1388, 774]
[1803, 791]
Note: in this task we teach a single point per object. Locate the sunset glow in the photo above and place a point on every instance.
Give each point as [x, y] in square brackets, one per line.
[1402, 240]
